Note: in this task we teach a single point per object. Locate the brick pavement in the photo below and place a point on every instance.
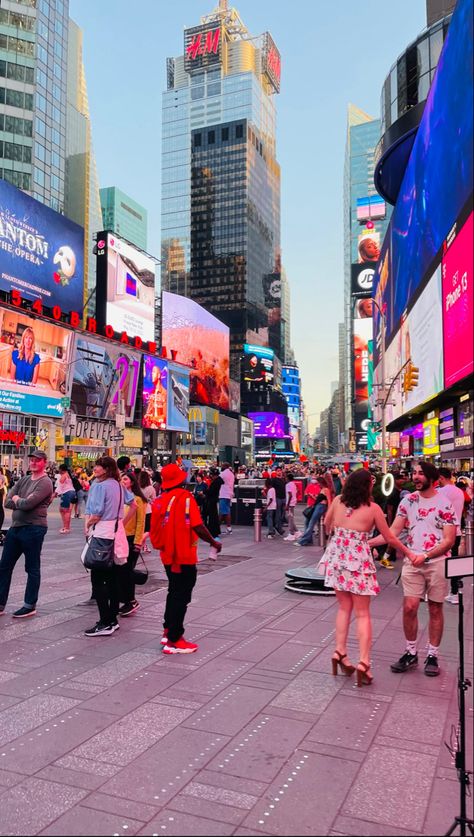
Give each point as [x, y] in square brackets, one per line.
[252, 735]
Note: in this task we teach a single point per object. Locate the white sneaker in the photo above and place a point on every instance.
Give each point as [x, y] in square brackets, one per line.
[289, 538]
[229, 530]
[453, 598]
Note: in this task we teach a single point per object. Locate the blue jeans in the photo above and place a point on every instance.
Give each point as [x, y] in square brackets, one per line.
[319, 511]
[27, 541]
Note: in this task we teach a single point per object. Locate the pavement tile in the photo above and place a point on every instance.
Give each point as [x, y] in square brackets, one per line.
[178, 824]
[34, 804]
[310, 691]
[31, 713]
[247, 832]
[8, 779]
[130, 736]
[290, 657]
[7, 675]
[213, 676]
[121, 807]
[332, 750]
[348, 723]
[206, 807]
[6, 701]
[297, 802]
[82, 822]
[408, 776]
[444, 807]
[82, 765]
[132, 692]
[405, 744]
[39, 679]
[415, 717]
[54, 739]
[222, 780]
[220, 795]
[158, 774]
[293, 622]
[361, 828]
[255, 649]
[74, 778]
[232, 710]
[113, 671]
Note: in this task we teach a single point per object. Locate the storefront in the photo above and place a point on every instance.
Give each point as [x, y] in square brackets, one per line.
[202, 440]
[457, 450]
[82, 440]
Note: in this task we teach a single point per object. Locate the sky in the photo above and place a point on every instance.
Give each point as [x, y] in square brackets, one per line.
[333, 53]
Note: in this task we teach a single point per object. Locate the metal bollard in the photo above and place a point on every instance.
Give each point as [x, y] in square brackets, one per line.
[469, 535]
[322, 533]
[257, 525]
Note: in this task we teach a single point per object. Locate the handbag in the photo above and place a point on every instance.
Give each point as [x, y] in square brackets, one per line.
[100, 552]
[140, 576]
[308, 511]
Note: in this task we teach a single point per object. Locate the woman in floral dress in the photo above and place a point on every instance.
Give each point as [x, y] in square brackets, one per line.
[349, 568]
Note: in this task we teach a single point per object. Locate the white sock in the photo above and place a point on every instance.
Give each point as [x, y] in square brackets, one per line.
[433, 650]
[411, 647]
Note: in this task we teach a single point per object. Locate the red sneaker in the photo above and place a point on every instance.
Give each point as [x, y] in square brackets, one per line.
[164, 638]
[182, 646]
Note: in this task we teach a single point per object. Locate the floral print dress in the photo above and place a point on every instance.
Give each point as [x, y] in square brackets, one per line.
[347, 563]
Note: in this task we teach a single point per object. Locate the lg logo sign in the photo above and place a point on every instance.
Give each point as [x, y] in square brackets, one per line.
[365, 279]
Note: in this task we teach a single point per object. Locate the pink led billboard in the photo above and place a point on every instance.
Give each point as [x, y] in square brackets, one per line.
[458, 306]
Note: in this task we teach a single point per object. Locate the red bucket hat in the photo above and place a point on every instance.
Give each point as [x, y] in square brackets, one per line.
[172, 476]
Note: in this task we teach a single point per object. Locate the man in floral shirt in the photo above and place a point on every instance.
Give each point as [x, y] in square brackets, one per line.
[430, 520]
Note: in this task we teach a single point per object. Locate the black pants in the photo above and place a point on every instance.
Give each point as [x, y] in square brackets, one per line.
[127, 585]
[105, 592]
[213, 523]
[180, 590]
[454, 554]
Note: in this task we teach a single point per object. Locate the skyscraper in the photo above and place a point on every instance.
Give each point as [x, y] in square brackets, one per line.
[221, 179]
[33, 69]
[124, 216]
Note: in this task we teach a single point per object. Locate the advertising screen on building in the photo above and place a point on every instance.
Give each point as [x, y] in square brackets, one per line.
[155, 393]
[438, 180]
[270, 425]
[178, 398]
[362, 279]
[362, 334]
[257, 364]
[422, 344]
[271, 63]
[125, 296]
[201, 342]
[104, 379]
[431, 437]
[371, 208]
[203, 47]
[368, 246]
[41, 252]
[458, 305]
[34, 358]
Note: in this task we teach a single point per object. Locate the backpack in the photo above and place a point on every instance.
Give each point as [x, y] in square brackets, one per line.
[170, 529]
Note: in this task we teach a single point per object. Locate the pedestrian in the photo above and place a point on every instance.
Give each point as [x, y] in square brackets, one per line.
[3, 494]
[148, 489]
[82, 493]
[291, 500]
[200, 493]
[124, 464]
[29, 499]
[66, 493]
[322, 502]
[456, 497]
[212, 503]
[176, 525]
[430, 519]
[226, 494]
[349, 568]
[271, 508]
[134, 525]
[104, 519]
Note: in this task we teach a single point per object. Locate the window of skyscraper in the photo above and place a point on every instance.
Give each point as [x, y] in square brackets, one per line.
[211, 137]
[239, 131]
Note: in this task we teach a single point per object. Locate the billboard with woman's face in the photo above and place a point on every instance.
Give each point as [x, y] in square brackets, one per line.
[34, 358]
[155, 393]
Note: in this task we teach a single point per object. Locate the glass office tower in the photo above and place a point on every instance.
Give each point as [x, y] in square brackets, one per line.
[221, 179]
[124, 216]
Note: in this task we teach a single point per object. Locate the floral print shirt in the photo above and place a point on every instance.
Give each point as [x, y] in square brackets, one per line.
[425, 519]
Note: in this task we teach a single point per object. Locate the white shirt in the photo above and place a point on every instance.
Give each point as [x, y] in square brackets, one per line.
[291, 495]
[271, 499]
[456, 498]
[227, 490]
[426, 518]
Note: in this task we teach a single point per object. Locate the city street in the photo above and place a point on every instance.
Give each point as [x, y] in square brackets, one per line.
[252, 735]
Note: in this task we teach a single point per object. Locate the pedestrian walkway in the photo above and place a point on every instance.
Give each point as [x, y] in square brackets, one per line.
[252, 735]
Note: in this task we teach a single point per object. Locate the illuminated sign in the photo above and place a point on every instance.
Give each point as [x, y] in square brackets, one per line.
[271, 62]
[204, 43]
[463, 442]
[202, 47]
[431, 437]
[16, 437]
[362, 279]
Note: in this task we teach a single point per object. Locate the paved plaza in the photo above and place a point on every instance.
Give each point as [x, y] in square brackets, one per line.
[252, 735]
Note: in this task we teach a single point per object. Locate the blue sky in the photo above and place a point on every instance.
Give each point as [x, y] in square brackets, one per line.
[332, 53]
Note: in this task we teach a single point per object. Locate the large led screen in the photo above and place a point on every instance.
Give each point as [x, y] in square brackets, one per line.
[104, 379]
[125, 288]
[155, 393]
[201, 342]
[439, 176]
[41, 252]
[178, 398]
[458, 306]
[270, 425]
[422, 344]
[362, 335]
[257, 364]
[34, 358]
[368, 246]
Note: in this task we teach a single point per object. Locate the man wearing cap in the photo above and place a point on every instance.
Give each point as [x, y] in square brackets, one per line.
[29, 499]
[176, 526]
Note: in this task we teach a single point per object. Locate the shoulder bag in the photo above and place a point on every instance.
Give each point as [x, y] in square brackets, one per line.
[140, 576]
[100, 551]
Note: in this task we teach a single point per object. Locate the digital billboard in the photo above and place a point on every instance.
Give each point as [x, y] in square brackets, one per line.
[368, 246]
[362, 334]
[270, 425]
[155, 393]
[201, 342]
[371, 208]
[203, 46]
[104, 379]
[362, 279]
[234, 396]
[178, 398]
[42, 252]
[257, 364]
[458, 305]
[438, 180]
[125, 295]
[34, 358]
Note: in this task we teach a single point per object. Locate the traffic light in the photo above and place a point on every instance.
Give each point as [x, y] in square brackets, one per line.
[410, 378]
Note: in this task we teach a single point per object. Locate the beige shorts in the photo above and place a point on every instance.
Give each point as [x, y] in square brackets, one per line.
[429, 578]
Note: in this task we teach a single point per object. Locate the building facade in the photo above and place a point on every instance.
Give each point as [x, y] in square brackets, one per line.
[124, 216]
[221, 179]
